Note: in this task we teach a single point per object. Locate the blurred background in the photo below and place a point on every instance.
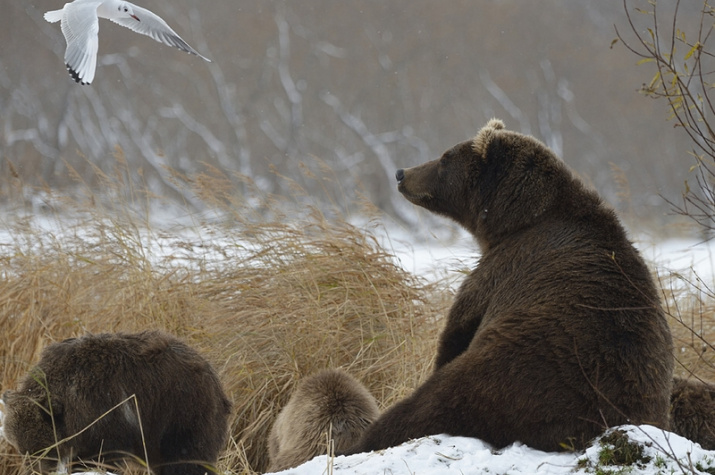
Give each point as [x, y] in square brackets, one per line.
[336, 96]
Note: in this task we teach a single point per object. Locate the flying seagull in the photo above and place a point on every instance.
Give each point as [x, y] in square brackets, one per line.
[80, 24]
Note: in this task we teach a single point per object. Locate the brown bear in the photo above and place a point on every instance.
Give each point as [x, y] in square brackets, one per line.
[558, 333]
[692, 411]
[70, 398]
[327, 403]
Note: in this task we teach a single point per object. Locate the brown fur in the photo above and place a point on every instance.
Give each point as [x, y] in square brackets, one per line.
[692, 411]
[328, 401]
[558, 333]
[182, 407]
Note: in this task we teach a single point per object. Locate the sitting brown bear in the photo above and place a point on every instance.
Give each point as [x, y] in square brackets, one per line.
[558, 333]
[329, 403]
[181, 423]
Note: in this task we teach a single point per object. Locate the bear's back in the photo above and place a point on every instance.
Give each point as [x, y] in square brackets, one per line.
[581, 295]
[327, 403]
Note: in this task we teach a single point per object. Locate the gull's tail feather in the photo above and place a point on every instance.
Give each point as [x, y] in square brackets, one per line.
[53, 16]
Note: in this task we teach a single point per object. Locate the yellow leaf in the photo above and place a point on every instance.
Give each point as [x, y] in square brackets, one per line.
[695, 48]
[654, 80]
[644, 60]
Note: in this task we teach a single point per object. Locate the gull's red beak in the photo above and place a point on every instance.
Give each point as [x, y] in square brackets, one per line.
[135, 17]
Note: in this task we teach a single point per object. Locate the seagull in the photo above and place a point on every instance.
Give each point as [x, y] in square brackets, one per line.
[80, 24]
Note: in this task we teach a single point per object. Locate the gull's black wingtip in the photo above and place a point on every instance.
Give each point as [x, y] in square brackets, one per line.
[75, 76]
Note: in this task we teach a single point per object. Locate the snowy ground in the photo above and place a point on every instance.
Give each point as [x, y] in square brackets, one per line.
[443, 455]
[435, 259]
[444, 254]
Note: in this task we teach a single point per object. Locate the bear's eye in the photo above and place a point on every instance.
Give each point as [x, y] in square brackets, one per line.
[446, 159]
[442, 166]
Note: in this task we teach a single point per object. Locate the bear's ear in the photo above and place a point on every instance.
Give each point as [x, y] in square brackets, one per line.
[58, 407]
[53, 414]
[484, 136]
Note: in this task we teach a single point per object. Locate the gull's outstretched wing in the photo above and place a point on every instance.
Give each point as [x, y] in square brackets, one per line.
[152, 25]
[80, 26]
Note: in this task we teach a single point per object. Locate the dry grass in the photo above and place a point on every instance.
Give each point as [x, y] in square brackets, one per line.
[688, 300]
[690, 304]
[266, 300]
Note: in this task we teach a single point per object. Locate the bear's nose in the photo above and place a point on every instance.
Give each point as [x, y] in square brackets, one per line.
[400, 175]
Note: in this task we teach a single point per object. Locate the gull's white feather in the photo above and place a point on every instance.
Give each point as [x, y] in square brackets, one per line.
[153, 25]
[80, 27]
[54, 16]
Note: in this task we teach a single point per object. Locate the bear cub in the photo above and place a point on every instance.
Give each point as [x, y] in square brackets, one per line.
[329, 402]
[558, 333]
[180, 426]
[692, 411]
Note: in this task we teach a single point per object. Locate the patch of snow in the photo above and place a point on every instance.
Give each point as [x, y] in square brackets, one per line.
[688, 258]
[447, 455]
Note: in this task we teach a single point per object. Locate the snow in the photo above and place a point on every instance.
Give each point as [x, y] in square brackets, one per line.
[441, 454]
[691, 259]
[445, 455]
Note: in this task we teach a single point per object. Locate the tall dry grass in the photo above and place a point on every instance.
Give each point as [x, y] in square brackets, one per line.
[689, 302]
[269, 290]
[688, 299]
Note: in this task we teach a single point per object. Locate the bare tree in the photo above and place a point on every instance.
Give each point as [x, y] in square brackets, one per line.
[681, 50]
[679, 46]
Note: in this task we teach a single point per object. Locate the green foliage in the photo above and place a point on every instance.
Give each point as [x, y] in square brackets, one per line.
[618, 449]
[707, 467]
[617, 455]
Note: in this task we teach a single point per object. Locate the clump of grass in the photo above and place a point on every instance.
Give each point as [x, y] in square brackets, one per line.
[618, 449]
[617, 454]
[268, 297]
[701, 468]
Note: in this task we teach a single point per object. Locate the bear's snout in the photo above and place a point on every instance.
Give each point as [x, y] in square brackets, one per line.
[400, 175]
